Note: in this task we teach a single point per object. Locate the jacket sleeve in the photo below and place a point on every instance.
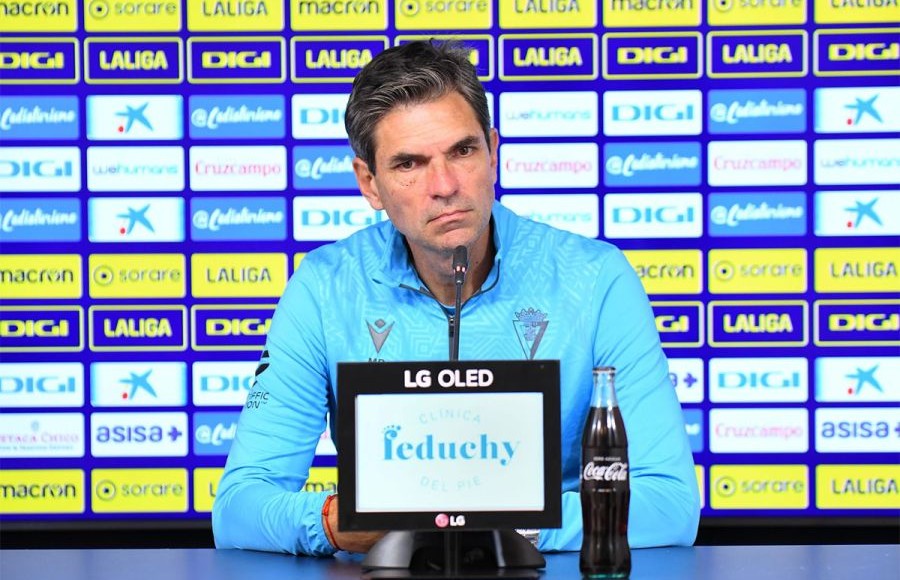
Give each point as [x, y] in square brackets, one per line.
[665, 502]
[260, 503]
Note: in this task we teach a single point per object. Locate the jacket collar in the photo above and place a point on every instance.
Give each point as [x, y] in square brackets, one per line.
[395, 267]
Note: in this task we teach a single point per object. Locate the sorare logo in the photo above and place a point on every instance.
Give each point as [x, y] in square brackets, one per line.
[236, 117]
[651, 164]
[757, 214]
[757, 111]
[40, 220]
[38, 118]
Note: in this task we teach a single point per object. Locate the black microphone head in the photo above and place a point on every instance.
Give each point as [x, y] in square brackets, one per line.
[460, 263]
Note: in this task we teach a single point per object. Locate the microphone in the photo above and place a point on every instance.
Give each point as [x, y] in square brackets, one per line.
[460, 267]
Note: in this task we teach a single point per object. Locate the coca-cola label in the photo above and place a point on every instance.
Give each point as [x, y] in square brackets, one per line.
[605, 471]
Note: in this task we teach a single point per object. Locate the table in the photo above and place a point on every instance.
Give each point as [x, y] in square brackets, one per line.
[854, 562]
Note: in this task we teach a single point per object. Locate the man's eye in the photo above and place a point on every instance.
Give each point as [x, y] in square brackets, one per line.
[408, 164]
[466, 150]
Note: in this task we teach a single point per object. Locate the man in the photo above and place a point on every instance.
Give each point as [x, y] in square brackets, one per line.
[426, 154]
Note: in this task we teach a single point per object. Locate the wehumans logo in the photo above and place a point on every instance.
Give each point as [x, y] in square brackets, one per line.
[429, 449]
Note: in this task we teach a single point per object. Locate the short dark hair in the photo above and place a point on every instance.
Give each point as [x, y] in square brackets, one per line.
[417, 72]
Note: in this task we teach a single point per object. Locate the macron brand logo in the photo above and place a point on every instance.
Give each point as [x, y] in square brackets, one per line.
[429, 448]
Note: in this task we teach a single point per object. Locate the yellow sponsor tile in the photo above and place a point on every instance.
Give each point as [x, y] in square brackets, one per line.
[40, 276]
[751, 12]
[668, 271]
[238, 275]
[855, 11]
[751, 487]
[206, 482]
[701, 484]
[650, 13]
[322, 479]
[857, 269]
[132, 16]
[758, 271]
[139, 490]
[334, 15]
[50, 16]
[547, 14]
[297, 259]
[443, 14]
[858, 486]
[41, 491]
[136, 275]
[235, 15]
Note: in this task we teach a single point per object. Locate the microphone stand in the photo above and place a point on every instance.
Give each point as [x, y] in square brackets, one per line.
[460, 267]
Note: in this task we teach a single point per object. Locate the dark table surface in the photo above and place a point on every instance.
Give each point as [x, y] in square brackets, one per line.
[855, 562]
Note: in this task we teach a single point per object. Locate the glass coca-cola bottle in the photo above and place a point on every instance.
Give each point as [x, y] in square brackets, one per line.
[604, 484]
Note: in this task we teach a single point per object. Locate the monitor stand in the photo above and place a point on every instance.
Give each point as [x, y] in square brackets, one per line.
[457, 554]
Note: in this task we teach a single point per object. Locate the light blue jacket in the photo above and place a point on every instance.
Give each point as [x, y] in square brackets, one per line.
[356, 300]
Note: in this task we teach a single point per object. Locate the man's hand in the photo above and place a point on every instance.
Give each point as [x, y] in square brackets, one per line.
[349, 541]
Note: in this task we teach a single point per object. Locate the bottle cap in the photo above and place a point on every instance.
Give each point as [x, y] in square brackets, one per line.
[610, 370]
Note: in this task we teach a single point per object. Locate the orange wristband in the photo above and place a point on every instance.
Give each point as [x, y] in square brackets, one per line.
[328, 533]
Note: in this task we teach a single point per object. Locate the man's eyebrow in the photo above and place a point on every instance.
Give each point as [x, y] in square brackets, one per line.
[402, 157]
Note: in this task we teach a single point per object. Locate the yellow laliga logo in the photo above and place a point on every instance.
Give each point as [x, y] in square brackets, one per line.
[758, 487]
[238, 275]
[40, 276]
[137, 275]
[749, 12]
[139, 490]
[334, 15]
[39, 16]
[650, 13]
[858, 486]
[548, 14]
[668, 271]
[855, 11]
[443, 14]
[235, 15]
[322, 479]
[206, 482]
[755, 271]
[41, 491]
[132, 16]
[857, 269]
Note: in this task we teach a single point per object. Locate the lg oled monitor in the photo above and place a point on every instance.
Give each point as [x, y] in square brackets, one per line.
[449, 445]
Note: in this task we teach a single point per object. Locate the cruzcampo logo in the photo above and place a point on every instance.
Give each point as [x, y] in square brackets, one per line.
[530, 325]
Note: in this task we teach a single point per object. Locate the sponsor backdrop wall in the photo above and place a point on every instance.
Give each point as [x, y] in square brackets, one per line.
[165, 165]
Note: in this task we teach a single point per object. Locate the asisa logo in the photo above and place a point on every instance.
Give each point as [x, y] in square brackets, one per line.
[430, 448]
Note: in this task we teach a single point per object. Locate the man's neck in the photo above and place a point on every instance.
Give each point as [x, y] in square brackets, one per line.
[436, 271]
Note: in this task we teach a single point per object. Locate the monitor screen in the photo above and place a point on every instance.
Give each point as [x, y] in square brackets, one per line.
[431, 445]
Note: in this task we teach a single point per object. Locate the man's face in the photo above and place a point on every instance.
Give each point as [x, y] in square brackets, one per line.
[435, 174]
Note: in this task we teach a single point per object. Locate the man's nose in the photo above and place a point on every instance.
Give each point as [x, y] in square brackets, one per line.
[442, 181]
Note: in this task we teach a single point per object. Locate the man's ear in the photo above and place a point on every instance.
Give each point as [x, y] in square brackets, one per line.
[366, 181]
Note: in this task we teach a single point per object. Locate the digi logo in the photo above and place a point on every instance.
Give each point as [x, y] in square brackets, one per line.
[217, 327]
[222, 383]
[854, 322]
[217, 59]
[864, 51]
[41, 385]
[237, 326]
[652, 55]
[758, 380]
[46, 328]
[680, 324]
[37, 60]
